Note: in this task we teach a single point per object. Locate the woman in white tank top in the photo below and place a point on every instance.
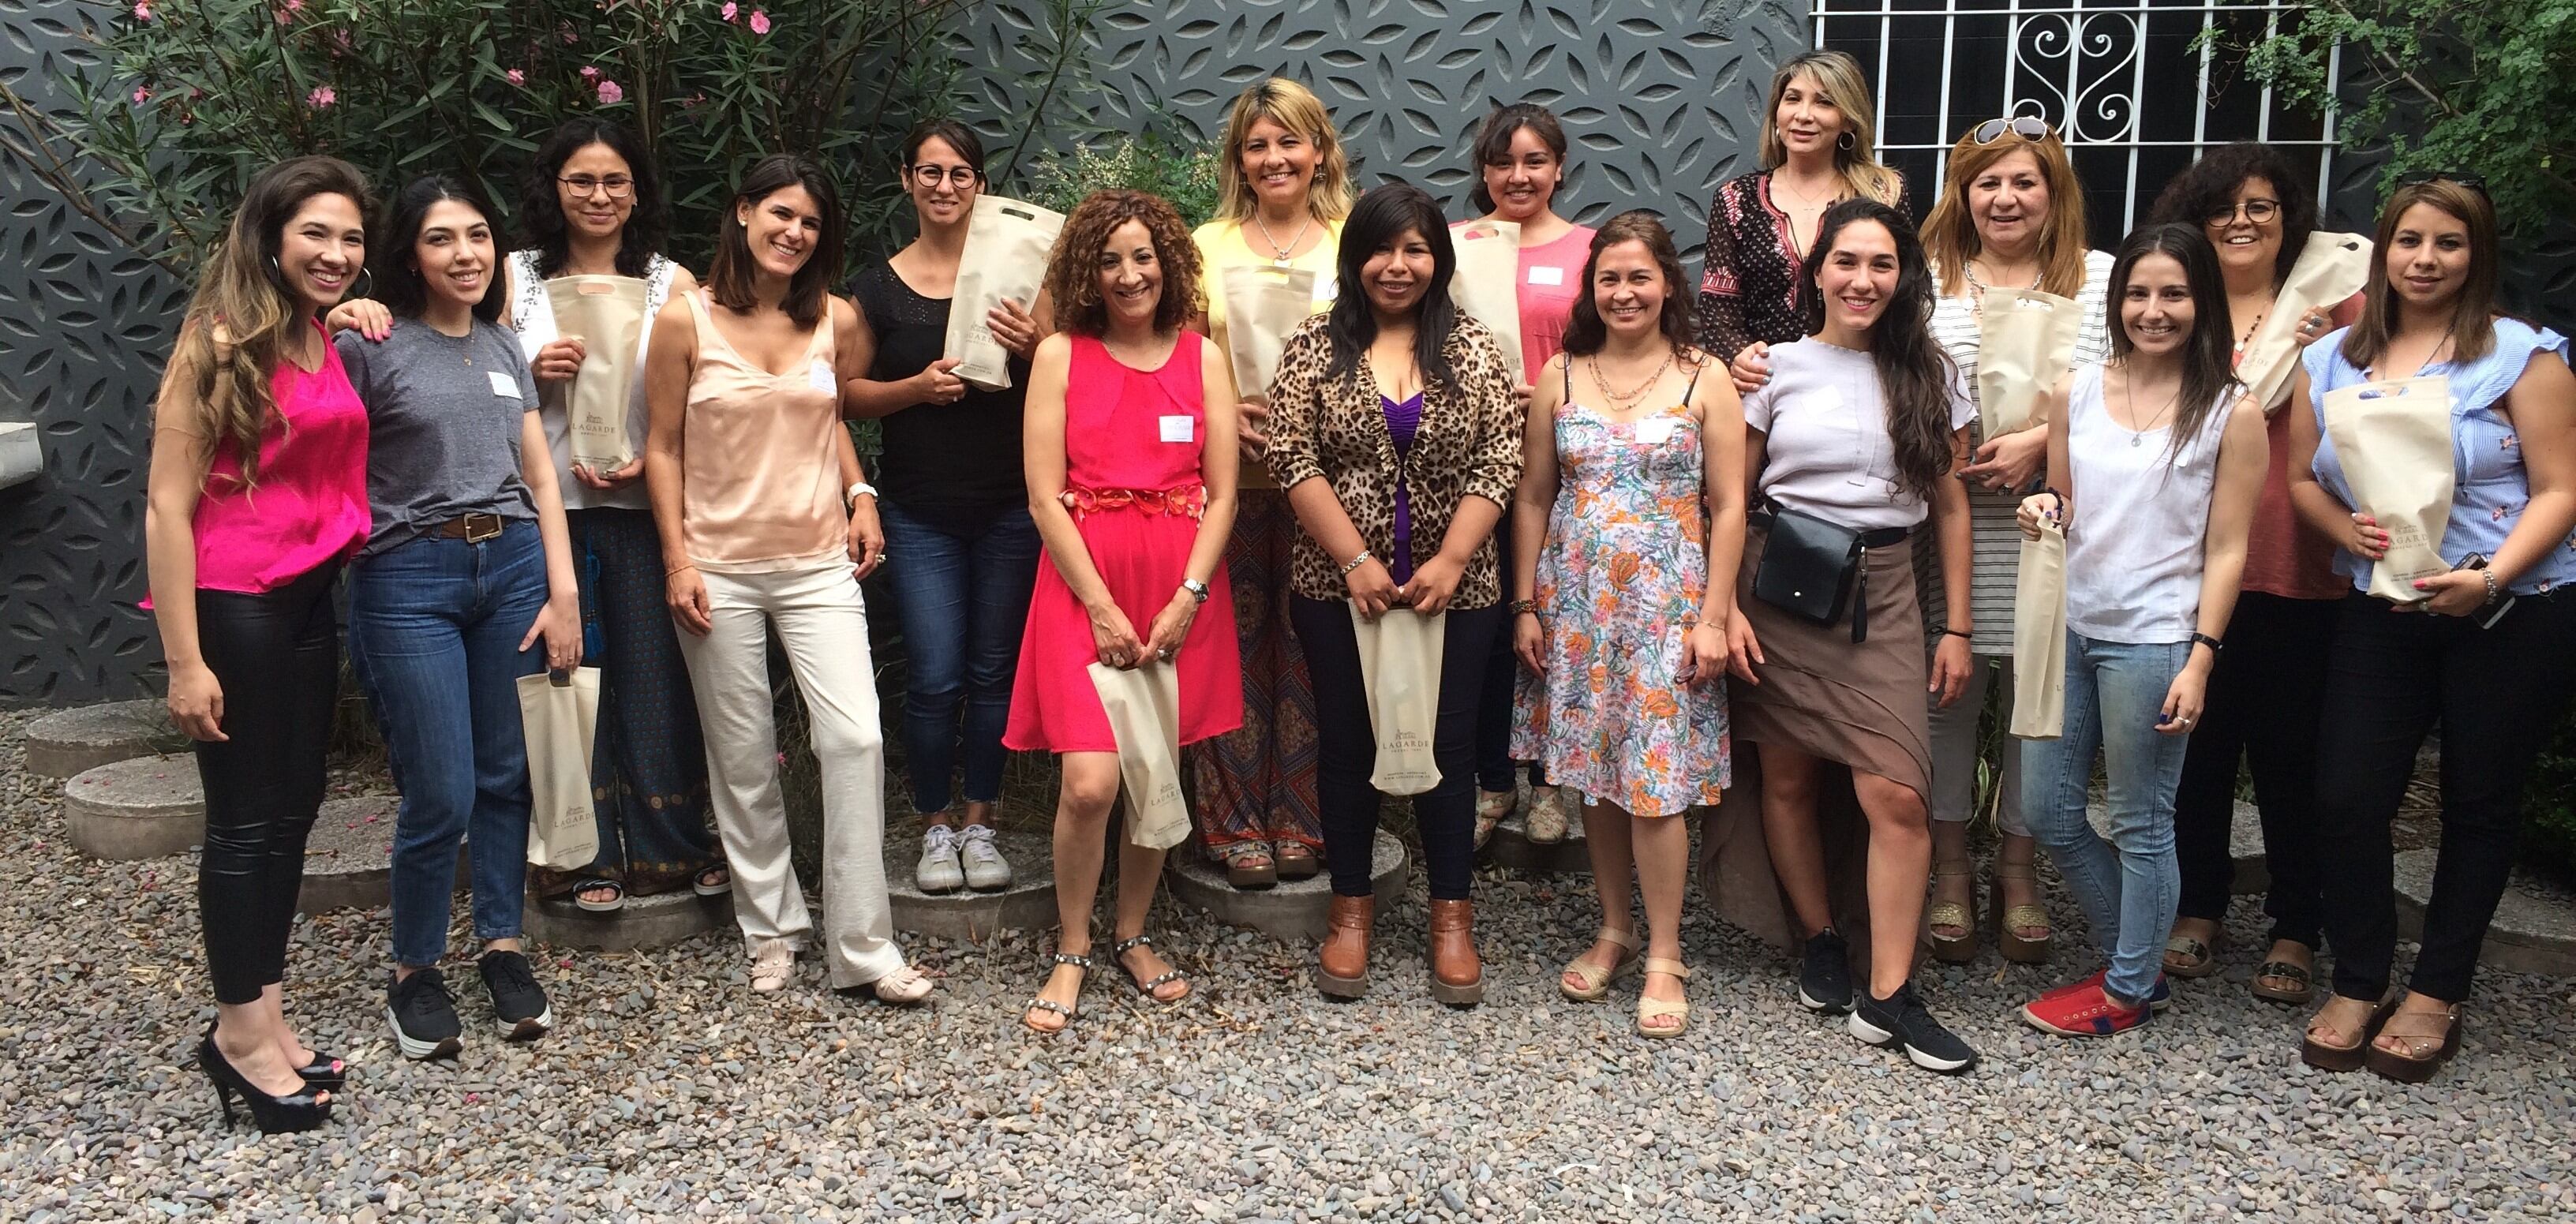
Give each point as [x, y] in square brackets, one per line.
[2155, 461]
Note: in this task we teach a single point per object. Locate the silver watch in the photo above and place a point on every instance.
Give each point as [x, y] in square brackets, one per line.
[1196, 588]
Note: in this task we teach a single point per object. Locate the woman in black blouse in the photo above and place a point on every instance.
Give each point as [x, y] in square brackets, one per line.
[1817, 150]
[961, 551]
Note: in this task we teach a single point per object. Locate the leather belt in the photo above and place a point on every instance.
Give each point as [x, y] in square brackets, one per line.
[471, 528]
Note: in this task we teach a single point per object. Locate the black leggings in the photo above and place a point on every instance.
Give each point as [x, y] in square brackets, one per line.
[1346, 751]
[2497, 693]
[277, 656]
[2265, 697]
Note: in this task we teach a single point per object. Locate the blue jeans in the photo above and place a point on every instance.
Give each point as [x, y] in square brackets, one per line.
[434, 629]
[961, 596]
[2129, 885]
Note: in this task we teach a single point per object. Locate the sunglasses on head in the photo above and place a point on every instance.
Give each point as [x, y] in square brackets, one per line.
[2028, 127]
[2420, 177]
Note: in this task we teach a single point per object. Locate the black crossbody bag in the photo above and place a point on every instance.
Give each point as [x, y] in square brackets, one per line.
[1814, 568]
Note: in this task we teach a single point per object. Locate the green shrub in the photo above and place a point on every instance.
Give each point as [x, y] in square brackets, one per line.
[1184, 174]
[2550, 799]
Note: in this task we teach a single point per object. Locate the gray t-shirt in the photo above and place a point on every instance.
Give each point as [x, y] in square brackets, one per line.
[443, 418]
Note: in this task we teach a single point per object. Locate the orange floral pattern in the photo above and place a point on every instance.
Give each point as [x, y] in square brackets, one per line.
[1620, 579]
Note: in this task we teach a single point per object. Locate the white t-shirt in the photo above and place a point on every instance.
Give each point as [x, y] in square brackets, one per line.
[1826, 449]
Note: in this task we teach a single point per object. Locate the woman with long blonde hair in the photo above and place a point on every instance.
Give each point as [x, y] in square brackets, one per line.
[1818, 147]
[255, 399]
[1284, 188]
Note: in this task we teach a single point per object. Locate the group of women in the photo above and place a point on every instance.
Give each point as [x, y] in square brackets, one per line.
[1761, 513]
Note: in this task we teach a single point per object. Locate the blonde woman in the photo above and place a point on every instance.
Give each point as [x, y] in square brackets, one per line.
[1284, 189]
[1818, 148]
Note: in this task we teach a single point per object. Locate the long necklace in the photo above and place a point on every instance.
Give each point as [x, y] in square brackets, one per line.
[1280, 257]
[2129, 399]
[1602, 381]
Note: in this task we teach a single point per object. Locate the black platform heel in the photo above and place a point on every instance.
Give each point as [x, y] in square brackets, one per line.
[324, 1071]
[275, 1115]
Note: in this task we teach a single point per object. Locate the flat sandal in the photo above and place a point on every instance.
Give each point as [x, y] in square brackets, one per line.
[1083, 963]
[1118, 952]
[1596, 979]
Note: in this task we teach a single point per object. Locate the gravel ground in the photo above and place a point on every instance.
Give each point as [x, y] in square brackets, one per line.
[669, 1091]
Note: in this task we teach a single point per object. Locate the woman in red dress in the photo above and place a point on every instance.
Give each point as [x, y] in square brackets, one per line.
[1130, 453]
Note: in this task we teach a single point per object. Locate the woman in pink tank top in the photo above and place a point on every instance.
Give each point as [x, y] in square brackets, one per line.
[255, 400]
[767, 520]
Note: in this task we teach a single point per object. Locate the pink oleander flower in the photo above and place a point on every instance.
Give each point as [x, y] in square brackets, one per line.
[728, 11]
[142, 11]
[589, 73]
[759, 22]
[610, 93]
[516, 77]
[142, 95]
[321, 96]
[287, 11]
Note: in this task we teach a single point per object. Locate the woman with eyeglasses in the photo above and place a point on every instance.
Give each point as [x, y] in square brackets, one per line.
[2257, 212]
[1283, 189]
[594, 208]
[1818, 147]
[961, 551]
[2011, 216]
[2487, 650]
[1520, 163]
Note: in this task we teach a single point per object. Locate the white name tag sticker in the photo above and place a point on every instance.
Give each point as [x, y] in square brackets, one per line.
[504, 384]
[822, 378]
[1655, 432]
[1542, 274]
[1179, 429]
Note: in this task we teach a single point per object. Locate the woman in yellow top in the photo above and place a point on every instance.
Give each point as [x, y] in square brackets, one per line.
[1285, 188]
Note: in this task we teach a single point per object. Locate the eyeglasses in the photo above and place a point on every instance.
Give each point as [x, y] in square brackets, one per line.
[955, 176]
[2028, 127]
[618, 186]
[2257, 212]
[2420, 177]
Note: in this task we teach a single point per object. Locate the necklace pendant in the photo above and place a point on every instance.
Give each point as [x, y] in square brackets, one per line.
[2137, 439]
[1282, 261]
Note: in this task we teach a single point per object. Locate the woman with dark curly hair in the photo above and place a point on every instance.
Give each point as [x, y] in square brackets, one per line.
[1130, 452]
[2248, 200]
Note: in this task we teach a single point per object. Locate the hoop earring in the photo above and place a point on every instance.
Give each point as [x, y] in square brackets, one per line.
[367, 285]
[1846, 142]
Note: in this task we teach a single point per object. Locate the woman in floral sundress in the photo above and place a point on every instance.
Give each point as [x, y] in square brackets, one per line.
[1623, 636]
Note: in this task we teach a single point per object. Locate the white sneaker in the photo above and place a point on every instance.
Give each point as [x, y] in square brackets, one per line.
[938, 872]
[986, 869]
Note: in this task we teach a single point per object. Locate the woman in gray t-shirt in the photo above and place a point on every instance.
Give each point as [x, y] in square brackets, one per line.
[466, 569]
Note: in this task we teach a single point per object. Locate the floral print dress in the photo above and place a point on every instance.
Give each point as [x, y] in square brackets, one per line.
[1620, 579]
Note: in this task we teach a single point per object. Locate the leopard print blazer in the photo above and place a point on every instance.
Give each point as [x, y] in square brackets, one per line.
[1469, 444]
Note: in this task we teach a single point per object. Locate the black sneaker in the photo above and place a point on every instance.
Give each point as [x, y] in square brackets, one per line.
[424, 1016]
[1824, 981]
[1900, 1021]
[516, 997]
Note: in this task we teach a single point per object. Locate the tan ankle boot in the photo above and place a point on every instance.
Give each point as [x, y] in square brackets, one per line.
[1457, 977]
[1341, 971]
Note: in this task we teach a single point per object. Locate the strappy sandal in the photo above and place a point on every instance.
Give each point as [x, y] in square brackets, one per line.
[1295, 861]
[2326, 1057]
[2018, 948]
[2425, 1052]
[1068, 1011]
[772, 966]
[2284, 982]
[903, 987]
[1491, 807]
[1597, 980]
[592, 884]
[1118, 952]
[1248, 865]
[2188, 957]
[715, 880]
[1961, 948]
[1547, 822]
[1657, 1009]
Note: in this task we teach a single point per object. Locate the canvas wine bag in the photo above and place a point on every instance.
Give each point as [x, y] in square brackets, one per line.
[606, 313]
[2026, 341]
[1007, 244]
[1263, 303]
[1144, 708]
[559, 714]
[2394, 442]
[2331, 268]
[1400, 667]
[2039, 636]
[1486, 285]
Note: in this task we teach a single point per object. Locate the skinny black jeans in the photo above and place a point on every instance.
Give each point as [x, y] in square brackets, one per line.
[2265, 698]
[277, 656]
[2498, 693]
[1346, 748]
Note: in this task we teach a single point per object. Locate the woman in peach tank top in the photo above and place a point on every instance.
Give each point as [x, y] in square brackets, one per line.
[767, 520]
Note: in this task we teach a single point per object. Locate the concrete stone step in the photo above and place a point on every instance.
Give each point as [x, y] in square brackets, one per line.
[144, 807]
[348, 862]
[1511, 847]
[643, 922]
[2534, 929]
[1027, 905]
[69, 743]
[1288, 912]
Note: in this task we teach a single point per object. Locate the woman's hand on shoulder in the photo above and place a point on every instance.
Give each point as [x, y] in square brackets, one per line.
[1751, 369]
[365, 316]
